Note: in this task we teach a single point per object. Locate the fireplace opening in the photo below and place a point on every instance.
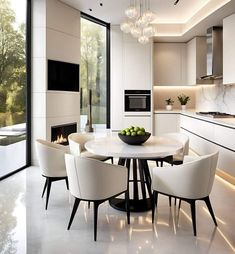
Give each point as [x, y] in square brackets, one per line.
[60, 133]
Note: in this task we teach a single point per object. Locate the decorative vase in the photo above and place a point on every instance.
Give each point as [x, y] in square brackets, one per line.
[183, 107]
[168, 107]
[88, 127]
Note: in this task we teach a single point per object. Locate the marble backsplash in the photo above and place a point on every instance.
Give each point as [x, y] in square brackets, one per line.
[216, 98]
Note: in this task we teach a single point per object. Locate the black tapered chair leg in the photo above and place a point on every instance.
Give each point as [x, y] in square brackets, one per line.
[48, 190]
[67, 183]
[161, 163]
[193, 213]
[154, 204]
[89, 204]
[208, 203]
[75, 207]
[44, 188]
[179, 203]
[96, 205]
[157, 164]
[112, 160]
[127, 206]
[169, 200]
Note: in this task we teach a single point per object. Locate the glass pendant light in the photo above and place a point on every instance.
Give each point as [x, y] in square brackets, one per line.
[149, 31]
[136, 32]
[143, 39]
[126, 26]
[131, 12]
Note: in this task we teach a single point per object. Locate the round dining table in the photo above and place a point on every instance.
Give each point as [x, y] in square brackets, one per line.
[135, 158]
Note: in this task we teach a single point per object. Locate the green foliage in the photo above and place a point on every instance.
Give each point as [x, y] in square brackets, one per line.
[12, 61]
[93, 69]
[183, 99]
[169, 101]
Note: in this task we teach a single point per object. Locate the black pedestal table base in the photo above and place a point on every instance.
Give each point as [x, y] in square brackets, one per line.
[137, 203]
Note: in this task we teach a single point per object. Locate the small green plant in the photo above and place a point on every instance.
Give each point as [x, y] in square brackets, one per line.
[169, 101]
[183, 99]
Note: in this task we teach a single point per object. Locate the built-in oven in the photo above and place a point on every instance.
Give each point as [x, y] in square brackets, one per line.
[137, 100]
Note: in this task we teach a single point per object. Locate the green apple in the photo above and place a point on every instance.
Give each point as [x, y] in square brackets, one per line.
[127, 130]
[137, 128]
[128, 133]
[142, 129]
[133, 133]
[123, 132]
[140, 133]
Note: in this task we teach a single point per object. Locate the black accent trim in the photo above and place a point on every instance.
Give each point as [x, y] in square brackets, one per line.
[29, 79]
[208, 140]
[108, 67]
[93, 19]
[107, 25]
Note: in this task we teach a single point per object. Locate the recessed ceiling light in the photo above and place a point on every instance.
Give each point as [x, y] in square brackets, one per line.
[90, 9]
[101, 4]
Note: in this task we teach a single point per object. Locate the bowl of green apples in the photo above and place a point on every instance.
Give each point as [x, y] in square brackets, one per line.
[134, 135]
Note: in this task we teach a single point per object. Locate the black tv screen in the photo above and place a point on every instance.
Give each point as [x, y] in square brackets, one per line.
[63, 76]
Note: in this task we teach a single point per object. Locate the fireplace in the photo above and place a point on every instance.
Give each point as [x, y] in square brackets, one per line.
[60, 133]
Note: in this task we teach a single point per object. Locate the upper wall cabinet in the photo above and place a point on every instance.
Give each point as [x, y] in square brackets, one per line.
[196, 60]
[229, 50]
[137, 64]
[169, 64]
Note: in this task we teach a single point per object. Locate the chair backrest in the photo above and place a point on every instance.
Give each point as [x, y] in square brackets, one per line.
[94, 180]
[182, 138]
[51, 158]
[77, 142]
[192, 180]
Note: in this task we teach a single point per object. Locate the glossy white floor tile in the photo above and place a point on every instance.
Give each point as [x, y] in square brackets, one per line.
[25, 226]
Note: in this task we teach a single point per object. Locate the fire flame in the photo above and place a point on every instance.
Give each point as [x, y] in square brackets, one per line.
[60, 139]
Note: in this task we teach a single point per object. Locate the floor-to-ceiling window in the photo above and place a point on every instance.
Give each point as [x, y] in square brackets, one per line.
[95, 78]
[14, 85]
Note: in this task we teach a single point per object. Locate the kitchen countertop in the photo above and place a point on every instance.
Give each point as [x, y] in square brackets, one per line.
[227, 122]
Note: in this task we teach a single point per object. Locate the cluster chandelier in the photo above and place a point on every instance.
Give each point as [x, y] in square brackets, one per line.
[138, 22]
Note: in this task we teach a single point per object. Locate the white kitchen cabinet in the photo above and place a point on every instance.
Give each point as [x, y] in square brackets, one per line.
[206, 137]
[137, 65]
[196, 60]
[131, 69]
[165, 123]
[117, 88]
[229, 50]
[138, 120]
[169, 64]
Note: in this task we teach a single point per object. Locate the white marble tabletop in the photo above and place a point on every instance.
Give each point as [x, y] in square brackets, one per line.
[153, 147]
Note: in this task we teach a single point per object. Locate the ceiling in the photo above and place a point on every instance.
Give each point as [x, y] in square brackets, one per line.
[112, 11]
[179, 22]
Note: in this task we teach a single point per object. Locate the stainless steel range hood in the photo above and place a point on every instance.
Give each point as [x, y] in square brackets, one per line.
[214, 54]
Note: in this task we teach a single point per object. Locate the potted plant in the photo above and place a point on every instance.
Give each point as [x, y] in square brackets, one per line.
[169, 103]
[183, 99]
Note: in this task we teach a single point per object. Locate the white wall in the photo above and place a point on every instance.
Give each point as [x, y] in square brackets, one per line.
[56, 36]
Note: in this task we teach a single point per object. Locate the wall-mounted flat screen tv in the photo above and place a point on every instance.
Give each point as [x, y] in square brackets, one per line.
[63, 76]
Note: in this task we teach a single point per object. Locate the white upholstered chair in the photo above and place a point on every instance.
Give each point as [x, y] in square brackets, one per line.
[189, 182]
[177, 158]
[96, 181]
[51, 161]
[77, 146]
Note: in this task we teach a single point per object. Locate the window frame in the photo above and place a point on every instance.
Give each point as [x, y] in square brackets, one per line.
[28, 44]
[107, 26]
